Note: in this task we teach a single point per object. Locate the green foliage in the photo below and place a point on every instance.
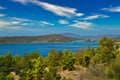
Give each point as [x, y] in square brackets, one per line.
[38, 65]
[1, 63]
[37, 69]
[106, 42]
[28, 57]
[35, 55]
[113, 70]
[96, 59]
[86, 60]
[33, 66]
[6, 63]
[105, 52]
[2, 76]
[52, 74]
[9, 77]
[17, 64]
[52, 58]
[79, 56]
[89, 53]
[68, 60]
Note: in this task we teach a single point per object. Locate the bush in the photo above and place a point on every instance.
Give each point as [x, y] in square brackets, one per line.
[68, 60]
[113, 70]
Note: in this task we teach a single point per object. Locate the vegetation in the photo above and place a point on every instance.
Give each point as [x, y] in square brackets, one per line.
[101, 63]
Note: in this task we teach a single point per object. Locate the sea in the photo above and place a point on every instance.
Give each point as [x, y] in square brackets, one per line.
[43, 48]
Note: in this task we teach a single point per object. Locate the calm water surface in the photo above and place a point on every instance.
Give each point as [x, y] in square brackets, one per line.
[43, 48]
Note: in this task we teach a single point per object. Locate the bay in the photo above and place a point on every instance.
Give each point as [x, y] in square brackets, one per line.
[43, 48]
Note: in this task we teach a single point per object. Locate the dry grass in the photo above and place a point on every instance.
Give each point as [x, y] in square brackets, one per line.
[83, 73]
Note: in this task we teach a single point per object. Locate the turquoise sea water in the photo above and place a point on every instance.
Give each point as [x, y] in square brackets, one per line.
[43, 48]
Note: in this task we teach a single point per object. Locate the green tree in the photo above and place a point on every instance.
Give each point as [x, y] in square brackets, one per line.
[89, 53]
[17, 64]
[96, 59]
[106, 42]
[7, 66]
[2, 68]
[106, 54]
[34, 55]
[38, 68]
[86, 60]
[52, 58]
[68, 60]
[105, 51]
[79, 56]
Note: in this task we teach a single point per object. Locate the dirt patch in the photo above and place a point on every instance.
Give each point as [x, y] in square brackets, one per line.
[73, 74]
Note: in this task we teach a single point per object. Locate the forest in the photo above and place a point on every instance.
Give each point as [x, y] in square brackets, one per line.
[101, 63]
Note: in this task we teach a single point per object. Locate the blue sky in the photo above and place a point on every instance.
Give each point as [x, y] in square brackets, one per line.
[40, 17]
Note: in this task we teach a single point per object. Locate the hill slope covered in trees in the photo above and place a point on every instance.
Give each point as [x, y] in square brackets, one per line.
[102, 63]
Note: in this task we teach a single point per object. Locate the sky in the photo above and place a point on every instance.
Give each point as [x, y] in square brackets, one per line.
[41, 17]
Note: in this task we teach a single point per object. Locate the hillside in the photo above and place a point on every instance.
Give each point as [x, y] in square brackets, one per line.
[36, 39]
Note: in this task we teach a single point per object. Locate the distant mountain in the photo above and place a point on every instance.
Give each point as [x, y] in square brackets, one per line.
[88, 36]
[36, 39]
[71, 35]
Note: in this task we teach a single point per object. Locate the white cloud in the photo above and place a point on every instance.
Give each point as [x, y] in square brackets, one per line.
[4, 24]
[19, 19]
[1, 7]
[95, 17]
[15, 22]
[112, 9]
[82, 25]
[2, 15]
[63, 22]
[22, 1]
[23, 21]
[57, 10]
[44, 23]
